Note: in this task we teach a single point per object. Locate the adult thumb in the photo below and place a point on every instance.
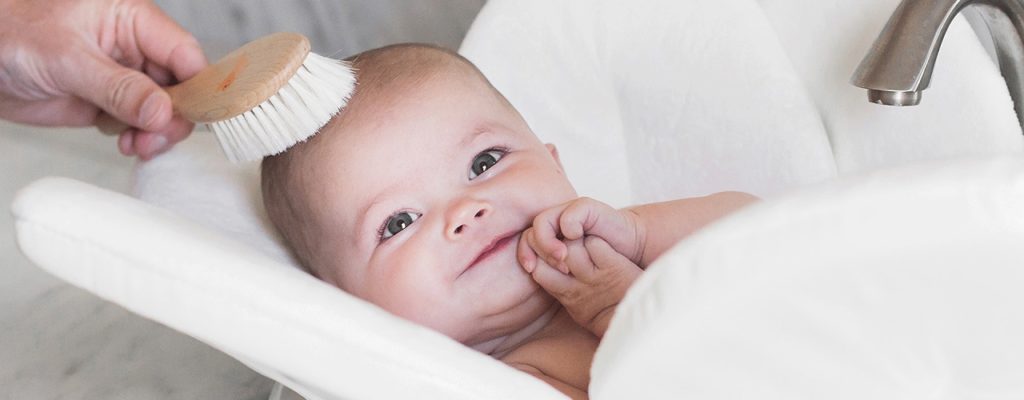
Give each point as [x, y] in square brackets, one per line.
[124, 93]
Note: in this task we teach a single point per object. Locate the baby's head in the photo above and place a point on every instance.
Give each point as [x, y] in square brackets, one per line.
[414, 196]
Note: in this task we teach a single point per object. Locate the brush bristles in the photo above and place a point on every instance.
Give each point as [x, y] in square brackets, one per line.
[317, 91]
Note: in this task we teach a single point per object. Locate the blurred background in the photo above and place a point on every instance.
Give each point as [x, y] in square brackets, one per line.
[59, 342]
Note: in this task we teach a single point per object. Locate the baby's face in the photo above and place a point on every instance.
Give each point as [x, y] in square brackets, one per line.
[422, 202]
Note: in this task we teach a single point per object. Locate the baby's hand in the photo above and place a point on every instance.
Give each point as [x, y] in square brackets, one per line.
[572, 221]
[596, 280]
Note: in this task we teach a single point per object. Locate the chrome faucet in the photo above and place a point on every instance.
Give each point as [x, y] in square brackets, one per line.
[899, 65]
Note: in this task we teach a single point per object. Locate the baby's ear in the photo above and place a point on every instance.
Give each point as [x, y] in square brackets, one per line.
[554, 154]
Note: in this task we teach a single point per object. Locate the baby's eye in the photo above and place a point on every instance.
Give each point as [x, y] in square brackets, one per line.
[484, 161]
[397, 223]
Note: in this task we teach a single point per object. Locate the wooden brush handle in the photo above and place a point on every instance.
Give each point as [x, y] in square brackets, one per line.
[237, 83]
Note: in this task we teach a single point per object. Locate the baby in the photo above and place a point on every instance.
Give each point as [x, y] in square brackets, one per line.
[429, 196]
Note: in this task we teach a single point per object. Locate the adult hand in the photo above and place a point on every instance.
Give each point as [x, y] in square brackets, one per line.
[63, 62]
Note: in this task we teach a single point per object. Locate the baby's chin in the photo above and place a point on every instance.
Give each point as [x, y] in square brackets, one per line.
[518, 332]
[516, 324]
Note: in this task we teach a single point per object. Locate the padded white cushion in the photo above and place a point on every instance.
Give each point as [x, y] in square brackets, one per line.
[657, 99]
[647, 100]
[905, 284]
[965, 111]
[282, 322]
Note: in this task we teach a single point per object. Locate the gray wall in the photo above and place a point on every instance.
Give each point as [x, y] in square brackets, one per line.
[337, 28]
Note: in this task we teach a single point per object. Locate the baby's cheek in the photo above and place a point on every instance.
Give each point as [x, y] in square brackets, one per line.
[542, 188]
[403, 291]
[423, 266]
[421, 291]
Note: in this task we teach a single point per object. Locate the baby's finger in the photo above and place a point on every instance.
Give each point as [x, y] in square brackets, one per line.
[590, 217]
[551, 280]
[579, 217]
[547, 242]
[578, 261]
[603, 255]
[527, 258]
[543, 251]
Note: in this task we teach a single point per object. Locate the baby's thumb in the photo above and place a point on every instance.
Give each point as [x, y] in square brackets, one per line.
[126, 94]
[602, 253]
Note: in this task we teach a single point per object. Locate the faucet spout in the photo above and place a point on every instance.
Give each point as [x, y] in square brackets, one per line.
[899, 65]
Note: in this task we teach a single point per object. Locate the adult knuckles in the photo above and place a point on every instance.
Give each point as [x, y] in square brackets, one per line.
[121, 87]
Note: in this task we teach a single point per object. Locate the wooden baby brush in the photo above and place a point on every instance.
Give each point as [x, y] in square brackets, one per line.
[262, 98]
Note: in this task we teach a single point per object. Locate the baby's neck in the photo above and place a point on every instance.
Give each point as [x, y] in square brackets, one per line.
[500, 346]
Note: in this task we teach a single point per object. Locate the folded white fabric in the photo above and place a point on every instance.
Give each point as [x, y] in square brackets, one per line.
[904, 284]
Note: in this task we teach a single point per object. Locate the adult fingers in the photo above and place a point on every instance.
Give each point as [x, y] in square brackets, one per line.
[166, 43]
[162, 76]
[126, 94]
[125, 142]
[59, 111]
[149, 144]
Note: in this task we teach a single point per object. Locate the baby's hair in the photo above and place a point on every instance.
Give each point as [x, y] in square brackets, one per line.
[286, 178]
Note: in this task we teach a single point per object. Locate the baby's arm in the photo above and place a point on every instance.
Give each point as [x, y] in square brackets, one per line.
[641, 233]
[587, 254]
[665, 224]
[573, 392]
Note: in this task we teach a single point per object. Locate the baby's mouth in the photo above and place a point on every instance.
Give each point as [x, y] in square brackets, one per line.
[496, 246]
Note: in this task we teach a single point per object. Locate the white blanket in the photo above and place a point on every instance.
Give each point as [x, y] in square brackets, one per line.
[902, 284]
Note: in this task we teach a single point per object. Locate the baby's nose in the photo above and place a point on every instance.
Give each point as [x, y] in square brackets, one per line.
[466, 215]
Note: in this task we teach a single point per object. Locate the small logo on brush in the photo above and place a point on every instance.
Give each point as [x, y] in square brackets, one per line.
[242, 62]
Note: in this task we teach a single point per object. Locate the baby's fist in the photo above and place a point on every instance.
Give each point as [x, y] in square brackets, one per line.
[598, 279]
[574, 220]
